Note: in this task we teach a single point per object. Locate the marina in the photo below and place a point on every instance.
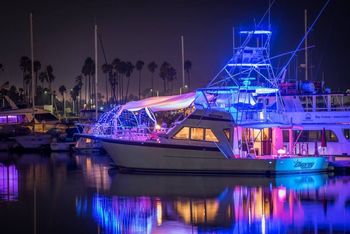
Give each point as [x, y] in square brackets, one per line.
[243, 133]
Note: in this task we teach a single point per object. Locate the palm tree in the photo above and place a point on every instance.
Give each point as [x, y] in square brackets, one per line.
[113, 82]
[74, 93]
[163, 73]
[37, 67]
[78, 86]
[24, 64]
[152, 68]
[139, 65]
[62, 89]
[42, 78]
[115, 79]
[28, 80]
[188, 67]
[107, 70]
[122, 70]
[129, 68]
[171, 76]
[21, 93]
[50, 76]
[88, 71]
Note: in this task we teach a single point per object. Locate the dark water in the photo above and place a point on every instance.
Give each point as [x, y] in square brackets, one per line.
[79, 194]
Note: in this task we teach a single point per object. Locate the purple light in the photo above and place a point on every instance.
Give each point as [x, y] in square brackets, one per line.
[3, 119]
[8, 183]
[12, 118]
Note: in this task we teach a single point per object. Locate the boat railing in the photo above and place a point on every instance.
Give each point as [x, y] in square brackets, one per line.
[140, 133]
[262, 116]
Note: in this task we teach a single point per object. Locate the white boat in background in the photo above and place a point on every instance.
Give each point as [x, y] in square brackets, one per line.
[65, 140]
[35, 141]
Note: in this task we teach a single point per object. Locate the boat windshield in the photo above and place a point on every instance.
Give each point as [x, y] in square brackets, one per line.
[45, 117]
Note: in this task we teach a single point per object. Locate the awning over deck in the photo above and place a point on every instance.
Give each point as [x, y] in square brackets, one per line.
[162, 103]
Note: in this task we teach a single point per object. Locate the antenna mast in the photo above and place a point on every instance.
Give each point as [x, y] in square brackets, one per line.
[306, 57]
[96, 71]
[32, 58]
[183, 61]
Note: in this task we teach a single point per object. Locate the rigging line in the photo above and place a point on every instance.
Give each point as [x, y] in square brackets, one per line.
[324, 45]
[302, 41]
[103, 50]
[267, 11]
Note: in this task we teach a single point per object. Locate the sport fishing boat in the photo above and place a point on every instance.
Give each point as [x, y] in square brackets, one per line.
[234, 125]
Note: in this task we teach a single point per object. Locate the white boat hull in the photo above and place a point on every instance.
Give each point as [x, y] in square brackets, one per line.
[33, 141]
[86, 144]
[179, 158]
[62, 146]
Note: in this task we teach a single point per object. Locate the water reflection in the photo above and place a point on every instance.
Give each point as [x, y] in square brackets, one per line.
[95, 170]
[77, 194]
[191, 204]
[8, 182]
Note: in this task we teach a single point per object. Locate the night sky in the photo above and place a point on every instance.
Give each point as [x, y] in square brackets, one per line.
[151, 30]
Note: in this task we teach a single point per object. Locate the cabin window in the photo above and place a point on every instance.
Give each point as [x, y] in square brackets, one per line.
[314, 135]
[227, 132]
[285, 134]
[183, 134]
[330, 136]
[197, 134]
[45, 117]
[209, 135]
[301, 136]
[347, 133]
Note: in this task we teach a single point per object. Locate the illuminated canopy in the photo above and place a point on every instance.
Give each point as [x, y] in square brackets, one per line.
[163, 103]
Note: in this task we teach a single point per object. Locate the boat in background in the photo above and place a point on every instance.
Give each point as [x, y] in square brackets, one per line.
[23, 127]
[65, 138]
[85, 126]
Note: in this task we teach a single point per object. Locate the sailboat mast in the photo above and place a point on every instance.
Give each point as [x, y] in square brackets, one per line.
[306, 60]
[32, 59]
[96, 72]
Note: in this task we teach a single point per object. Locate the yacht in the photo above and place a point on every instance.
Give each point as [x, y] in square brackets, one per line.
[36, 121]
[239, 123]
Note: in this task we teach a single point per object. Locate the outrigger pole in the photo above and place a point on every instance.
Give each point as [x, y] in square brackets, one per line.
[305, 36]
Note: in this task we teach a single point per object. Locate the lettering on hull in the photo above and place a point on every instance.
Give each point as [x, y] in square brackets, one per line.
[303, 165]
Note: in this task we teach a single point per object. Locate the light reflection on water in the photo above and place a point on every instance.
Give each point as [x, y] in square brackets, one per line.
[79, 194]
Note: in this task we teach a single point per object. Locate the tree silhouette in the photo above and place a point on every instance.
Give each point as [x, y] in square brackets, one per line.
[88, 71]
[139, 66]
[42, 78]
[152, 66]
[107, 70]
[24, 65]
[188, 67]
[163, 73]
[37, 67]
[50, 76]
[129, 70]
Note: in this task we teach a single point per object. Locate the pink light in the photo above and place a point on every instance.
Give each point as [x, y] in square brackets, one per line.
[282, 193]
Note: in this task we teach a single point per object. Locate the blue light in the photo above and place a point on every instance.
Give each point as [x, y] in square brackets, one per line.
[248, 64]
[256, 32]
